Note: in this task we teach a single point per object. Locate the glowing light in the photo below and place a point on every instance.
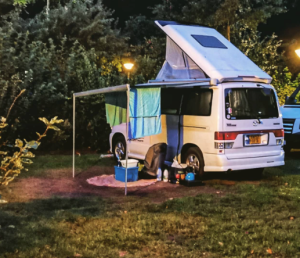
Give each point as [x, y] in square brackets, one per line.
[298, 52]
[128, 66]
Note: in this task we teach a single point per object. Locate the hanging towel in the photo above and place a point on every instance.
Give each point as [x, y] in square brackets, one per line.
[144, 112]
[115, 106]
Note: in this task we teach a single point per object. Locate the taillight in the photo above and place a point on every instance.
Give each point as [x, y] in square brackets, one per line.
[278, 132]
[221, 136]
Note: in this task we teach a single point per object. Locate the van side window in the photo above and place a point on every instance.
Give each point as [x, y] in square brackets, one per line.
[197, 102]
[170, 101]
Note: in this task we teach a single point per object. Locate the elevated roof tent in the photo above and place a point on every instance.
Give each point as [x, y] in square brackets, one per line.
[197, 53]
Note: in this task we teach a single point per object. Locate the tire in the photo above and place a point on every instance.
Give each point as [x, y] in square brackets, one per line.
[193, 157]
[119, 144]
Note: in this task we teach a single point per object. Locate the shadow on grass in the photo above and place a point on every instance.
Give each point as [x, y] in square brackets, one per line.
[25, 226]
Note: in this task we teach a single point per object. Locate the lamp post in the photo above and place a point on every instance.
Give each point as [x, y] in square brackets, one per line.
[298, 52]
[128, 66]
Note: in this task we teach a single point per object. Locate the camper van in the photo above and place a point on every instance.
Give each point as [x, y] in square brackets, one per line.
[291, 121]
[219, 111]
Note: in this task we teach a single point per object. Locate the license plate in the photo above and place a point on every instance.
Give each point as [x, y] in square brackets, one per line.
[254, 139]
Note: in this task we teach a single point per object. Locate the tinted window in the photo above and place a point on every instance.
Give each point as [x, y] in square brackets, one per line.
[195, 102]
[250, 103]
[170, 101]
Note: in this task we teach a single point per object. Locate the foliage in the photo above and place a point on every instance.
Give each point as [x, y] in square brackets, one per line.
[222, 14]
[75, 48]
[262, 51]
[285, 84]
[13, 164]
[20, 2]
[139, 28]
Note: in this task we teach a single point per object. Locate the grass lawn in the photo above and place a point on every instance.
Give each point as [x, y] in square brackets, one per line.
[247, 219]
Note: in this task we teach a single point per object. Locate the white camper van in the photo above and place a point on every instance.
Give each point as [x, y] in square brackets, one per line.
[291, 121]
[218, 109]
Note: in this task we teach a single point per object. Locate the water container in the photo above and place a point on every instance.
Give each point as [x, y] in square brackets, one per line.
[158, 174]
[166, 175]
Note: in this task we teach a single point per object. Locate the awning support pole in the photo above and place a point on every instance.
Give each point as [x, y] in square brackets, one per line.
[127, 122]
[73, 169]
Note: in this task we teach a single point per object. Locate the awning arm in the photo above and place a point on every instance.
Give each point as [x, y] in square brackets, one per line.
[125, 87]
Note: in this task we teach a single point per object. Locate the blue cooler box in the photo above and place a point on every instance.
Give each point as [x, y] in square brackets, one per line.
[132, 174]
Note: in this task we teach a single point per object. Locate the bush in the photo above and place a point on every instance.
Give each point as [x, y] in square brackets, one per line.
[12, 164]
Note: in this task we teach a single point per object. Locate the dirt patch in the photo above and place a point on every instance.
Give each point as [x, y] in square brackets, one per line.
[59, 182]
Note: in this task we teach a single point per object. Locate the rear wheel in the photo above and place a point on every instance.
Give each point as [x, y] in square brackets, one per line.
[193, 157]
[119, 147]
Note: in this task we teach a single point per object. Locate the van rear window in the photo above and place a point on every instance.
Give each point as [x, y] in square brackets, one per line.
[250, 103]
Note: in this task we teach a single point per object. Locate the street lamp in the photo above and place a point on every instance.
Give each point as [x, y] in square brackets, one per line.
[128, 66]
[298, 52]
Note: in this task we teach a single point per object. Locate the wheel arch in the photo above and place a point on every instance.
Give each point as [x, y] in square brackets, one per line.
[115, 136]
[185, 148]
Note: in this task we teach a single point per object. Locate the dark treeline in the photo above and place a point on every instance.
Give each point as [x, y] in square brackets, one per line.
[81, 45]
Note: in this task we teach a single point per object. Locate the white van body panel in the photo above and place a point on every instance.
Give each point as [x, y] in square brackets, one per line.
[200, 131]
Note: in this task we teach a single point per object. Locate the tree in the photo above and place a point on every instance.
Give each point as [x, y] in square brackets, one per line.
[221, 14]
[262, 51]
[76, 48]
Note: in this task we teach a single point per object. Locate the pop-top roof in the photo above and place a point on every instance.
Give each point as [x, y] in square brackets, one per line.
[205, 48]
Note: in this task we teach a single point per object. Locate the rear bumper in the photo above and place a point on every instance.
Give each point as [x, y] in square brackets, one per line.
[220, 163]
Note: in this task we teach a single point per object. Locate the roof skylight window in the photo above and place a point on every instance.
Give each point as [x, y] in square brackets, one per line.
[209, 41]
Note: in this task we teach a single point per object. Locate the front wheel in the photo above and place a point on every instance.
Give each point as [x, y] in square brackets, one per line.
[193, 158]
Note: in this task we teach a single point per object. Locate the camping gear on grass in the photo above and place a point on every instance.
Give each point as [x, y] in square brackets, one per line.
[130, 163]
[190, 176]
[166, 175]
[176, 171]
[103, 156]
[158, 174]
[155, 158]
[132, 174]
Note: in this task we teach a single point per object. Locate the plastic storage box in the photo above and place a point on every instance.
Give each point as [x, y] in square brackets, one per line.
[132, 174]
[131, 163]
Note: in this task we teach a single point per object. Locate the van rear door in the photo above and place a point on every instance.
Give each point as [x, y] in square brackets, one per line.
[252, 125]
